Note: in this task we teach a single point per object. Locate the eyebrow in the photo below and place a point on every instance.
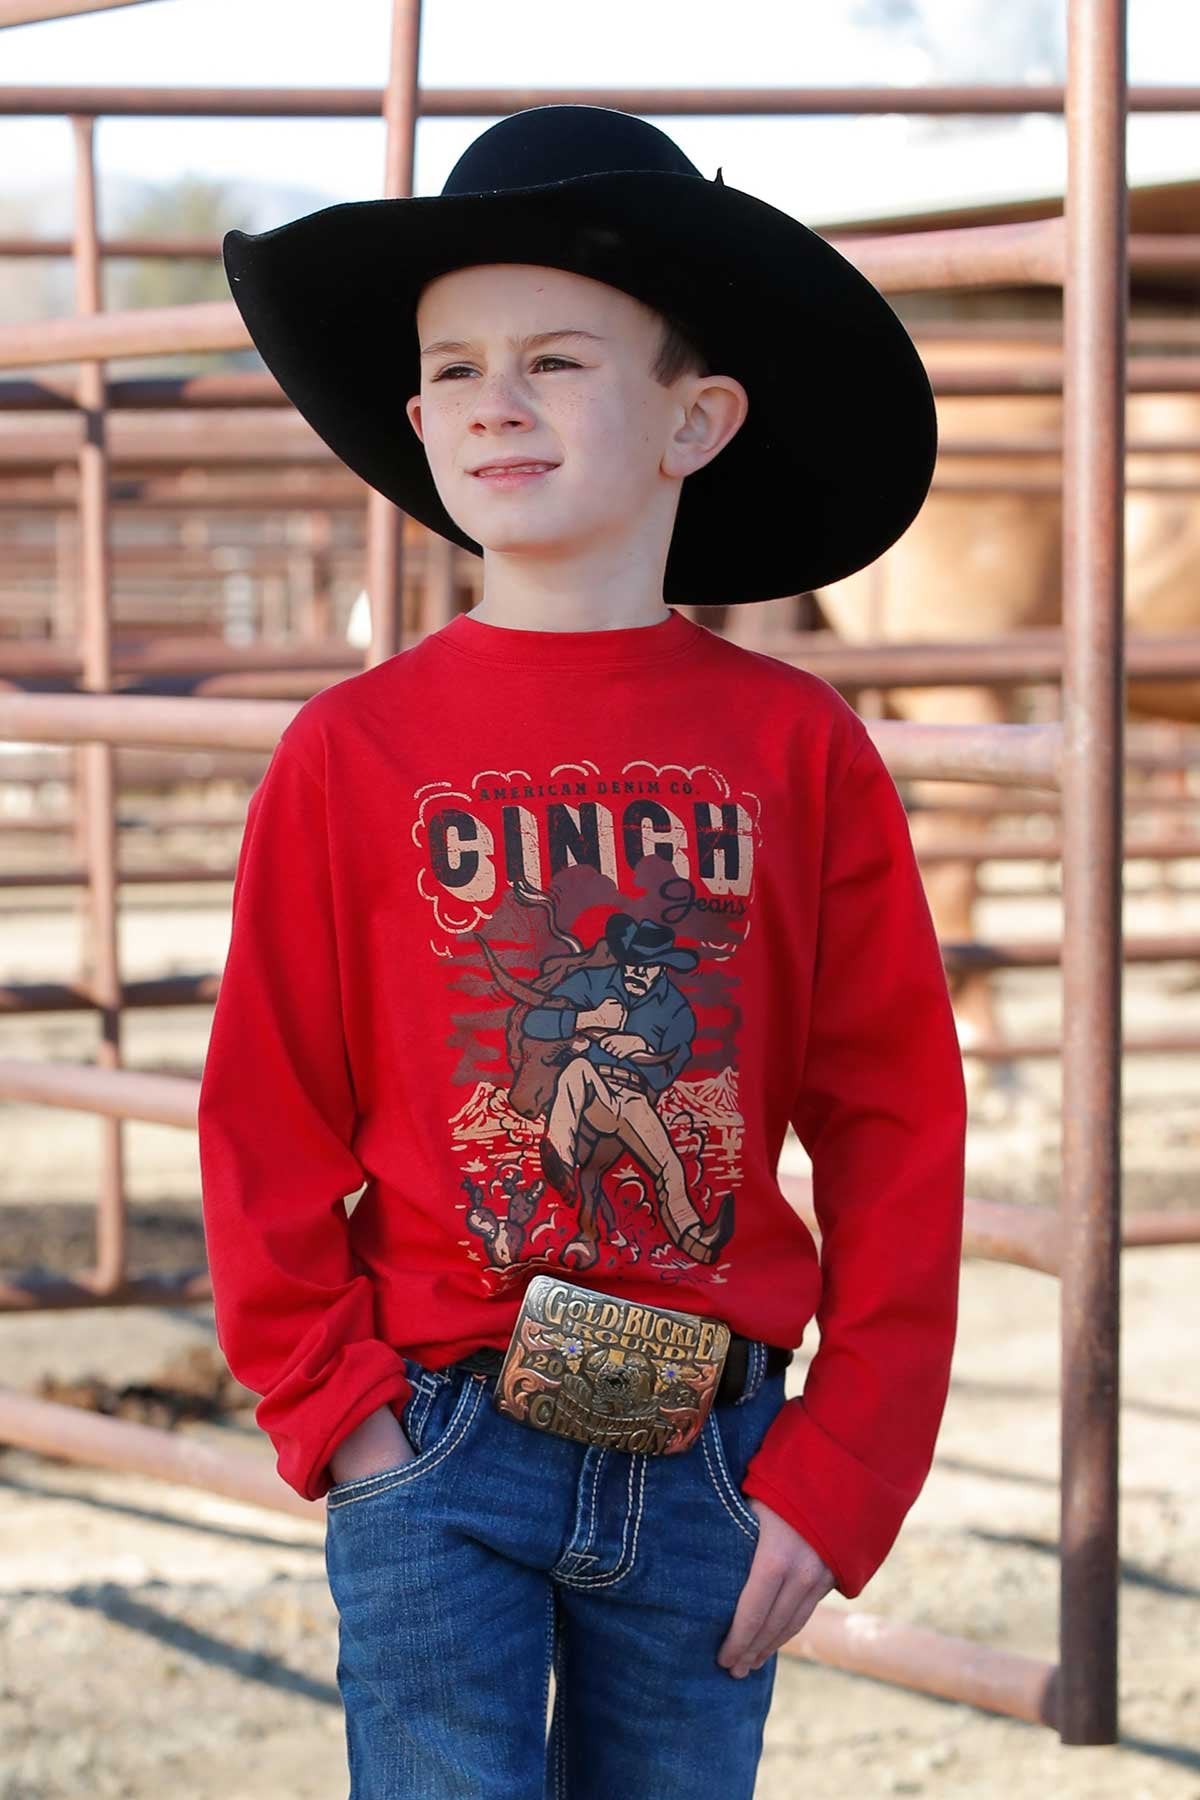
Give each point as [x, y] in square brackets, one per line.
[539, 337]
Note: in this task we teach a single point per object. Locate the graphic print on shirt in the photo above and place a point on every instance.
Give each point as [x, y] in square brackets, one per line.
[589, 925]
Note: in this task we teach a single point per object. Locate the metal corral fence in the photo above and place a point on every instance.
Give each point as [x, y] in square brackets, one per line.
[1087, 252]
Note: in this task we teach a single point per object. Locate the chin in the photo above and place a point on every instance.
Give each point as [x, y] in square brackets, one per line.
[517, 542]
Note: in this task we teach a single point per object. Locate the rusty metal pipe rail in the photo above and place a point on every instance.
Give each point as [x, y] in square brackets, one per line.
[188, 874]
[1034, 656]
[201, 990]
[1159, 251]
[1022, 754]
[1142, 1043]
[1088, 252]
[1040, 807]
[254, 389]
[328, 658]
[55, 1429]
[1048, 444]
[983, 255]
[1025, 658]
[1164, 846]
[930, 1662]
[1029, 1237]
[1139, 329]
[74, 996]
[159, 495]
[191, 441]
[31, 12]
[1052, 484]
[477, 102]
[280, 435]
[1049, 953]
[1144, 375]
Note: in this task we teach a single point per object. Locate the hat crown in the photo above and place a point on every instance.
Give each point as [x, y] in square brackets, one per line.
[560, 143]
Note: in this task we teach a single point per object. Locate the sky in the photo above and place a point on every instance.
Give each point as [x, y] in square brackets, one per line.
[822, 169]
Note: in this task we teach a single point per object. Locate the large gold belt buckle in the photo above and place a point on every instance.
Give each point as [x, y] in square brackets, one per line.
[618, 1373]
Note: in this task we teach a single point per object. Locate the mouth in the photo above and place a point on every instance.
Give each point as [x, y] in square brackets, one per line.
[513, 475]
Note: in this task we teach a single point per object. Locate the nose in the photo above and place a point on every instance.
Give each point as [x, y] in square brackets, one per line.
[500, 402]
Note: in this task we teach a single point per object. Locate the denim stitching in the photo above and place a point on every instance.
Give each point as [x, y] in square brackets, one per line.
[549, 1651]
[560, 1704]
[419, 1375]
[637, 1468]
[596, 1472]
[460, 1419]
[571, 1556]
[425, 1385]
[721, 1478]
[756, 1368]
[422, 1403]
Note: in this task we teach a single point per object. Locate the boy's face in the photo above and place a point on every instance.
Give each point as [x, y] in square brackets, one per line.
[619, 442]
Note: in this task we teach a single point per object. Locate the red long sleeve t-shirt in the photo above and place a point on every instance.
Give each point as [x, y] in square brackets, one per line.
[442, 870]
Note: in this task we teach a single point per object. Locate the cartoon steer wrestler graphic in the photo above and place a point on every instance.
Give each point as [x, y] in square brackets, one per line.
[629, 1030]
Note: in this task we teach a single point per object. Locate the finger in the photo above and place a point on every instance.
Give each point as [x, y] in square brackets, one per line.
[765, 1625]
[753, 1607]
[780, 1629]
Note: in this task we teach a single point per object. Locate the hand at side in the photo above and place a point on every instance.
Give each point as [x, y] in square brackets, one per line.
[786, 1581]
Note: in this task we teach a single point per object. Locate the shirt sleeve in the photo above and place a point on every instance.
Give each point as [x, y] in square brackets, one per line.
[882, 1113]
[295, 1319]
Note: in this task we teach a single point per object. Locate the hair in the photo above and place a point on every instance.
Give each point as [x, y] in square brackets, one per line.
[678, 353]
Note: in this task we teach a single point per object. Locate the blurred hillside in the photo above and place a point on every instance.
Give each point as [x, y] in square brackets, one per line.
[192, 206]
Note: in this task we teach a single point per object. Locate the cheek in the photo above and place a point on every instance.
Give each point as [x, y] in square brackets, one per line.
[442, 432]
[614, 441]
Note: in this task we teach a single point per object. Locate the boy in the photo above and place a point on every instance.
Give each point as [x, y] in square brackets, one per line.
[544, 929]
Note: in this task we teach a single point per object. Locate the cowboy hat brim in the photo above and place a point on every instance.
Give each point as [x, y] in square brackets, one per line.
[832, 462]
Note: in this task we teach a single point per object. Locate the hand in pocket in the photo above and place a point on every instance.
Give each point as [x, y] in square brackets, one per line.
[377, 1443]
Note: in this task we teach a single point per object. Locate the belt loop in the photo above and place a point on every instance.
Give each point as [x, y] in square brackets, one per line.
[756, 1364]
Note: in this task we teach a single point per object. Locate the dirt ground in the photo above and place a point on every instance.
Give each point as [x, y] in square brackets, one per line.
[157, 1640]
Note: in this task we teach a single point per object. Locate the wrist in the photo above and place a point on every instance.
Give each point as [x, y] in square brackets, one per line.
[374, 1441]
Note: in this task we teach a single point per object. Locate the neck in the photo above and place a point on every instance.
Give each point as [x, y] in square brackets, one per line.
[601, 591]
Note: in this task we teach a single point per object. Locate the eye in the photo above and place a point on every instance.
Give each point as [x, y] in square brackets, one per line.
[454, 367]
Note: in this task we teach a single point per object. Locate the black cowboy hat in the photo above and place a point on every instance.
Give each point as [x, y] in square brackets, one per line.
[641, 943]
[836, 454]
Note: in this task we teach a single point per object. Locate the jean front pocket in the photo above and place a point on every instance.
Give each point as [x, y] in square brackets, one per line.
[730, 1437]
[437, 1420]
[715, 1455]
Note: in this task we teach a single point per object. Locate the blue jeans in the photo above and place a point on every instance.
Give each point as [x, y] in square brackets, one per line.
[500, 1552]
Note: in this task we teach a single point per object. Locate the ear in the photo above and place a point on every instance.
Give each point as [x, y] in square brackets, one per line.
[715, 413]
[413, 409]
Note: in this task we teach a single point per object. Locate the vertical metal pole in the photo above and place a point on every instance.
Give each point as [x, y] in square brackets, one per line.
[1095, 309]
[385, 572]
[97, 786]
[64, 605]
[318, 623]
[440, 595]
